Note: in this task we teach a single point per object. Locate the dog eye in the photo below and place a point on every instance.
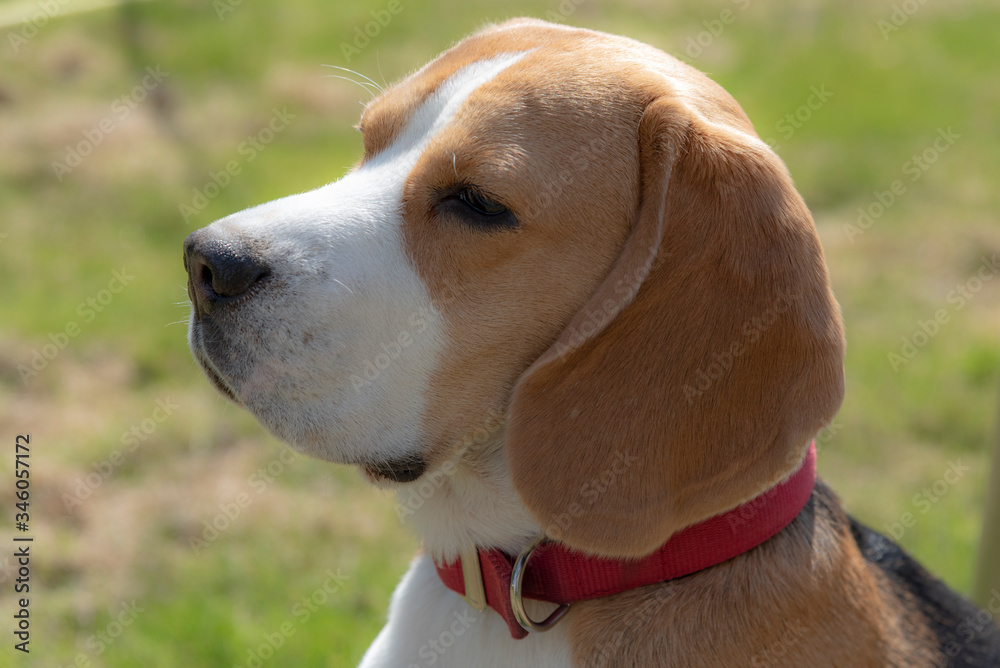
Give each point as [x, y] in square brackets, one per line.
[473, 209]
[479, 203]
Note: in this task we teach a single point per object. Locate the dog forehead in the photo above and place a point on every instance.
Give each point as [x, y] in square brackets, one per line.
[493, 71]
[438, 110]
[563, 72]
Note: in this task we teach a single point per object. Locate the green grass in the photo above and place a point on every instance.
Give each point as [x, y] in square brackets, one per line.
[896, 434]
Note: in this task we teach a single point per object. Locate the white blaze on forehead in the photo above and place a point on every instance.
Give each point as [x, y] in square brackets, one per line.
[340, 358]
[438, 110]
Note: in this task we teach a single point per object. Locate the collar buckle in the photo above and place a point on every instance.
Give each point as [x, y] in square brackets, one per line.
[472, 575]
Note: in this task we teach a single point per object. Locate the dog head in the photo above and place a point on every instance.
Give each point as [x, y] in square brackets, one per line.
[567, 241]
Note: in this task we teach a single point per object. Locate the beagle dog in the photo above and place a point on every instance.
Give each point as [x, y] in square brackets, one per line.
[573, 310]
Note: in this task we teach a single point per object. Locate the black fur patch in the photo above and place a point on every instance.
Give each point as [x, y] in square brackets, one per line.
[967, 636]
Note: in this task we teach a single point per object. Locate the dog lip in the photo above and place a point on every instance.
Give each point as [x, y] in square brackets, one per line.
[404, 469]
[201, 356]
[219, 383]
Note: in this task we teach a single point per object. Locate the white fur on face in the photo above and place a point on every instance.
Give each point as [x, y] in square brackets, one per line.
[336, 354]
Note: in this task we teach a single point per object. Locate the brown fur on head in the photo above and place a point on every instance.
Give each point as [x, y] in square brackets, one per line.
[710, 354]
[668, 294]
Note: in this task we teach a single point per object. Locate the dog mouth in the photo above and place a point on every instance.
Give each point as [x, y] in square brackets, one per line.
[404, 469]
[200, 354]
[217, 381]
[205, 340]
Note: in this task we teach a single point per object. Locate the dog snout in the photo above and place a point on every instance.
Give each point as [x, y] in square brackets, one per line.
[220, 269]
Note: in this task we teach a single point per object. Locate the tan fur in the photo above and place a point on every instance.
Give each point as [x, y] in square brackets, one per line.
[720, 239]
[516, 291]
[733, 260]
[664, 236]
[803, 599]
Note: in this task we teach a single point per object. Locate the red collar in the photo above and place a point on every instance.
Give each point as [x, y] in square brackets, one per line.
[562, 576]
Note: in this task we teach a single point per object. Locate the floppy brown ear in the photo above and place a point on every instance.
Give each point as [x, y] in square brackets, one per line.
[698, 372]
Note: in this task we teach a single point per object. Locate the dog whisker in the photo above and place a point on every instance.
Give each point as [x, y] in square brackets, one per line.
[366, 87]
[379, 88]
[344, 284]
[379, 66]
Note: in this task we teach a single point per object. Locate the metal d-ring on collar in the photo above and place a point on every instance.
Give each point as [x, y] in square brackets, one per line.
[517, 581]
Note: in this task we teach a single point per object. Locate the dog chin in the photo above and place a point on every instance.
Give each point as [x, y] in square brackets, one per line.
[393, 472]
[254, 385]
[383, 473]
[290, 422]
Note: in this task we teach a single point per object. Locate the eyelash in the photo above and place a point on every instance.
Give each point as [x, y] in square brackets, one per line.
[477, 210]
[479, 203]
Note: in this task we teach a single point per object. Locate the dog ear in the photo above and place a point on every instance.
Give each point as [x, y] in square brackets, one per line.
[697, 373]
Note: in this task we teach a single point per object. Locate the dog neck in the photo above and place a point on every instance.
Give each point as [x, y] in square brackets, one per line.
[468, 501]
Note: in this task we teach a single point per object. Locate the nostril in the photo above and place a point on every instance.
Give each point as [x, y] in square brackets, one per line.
[220, 269]
[205, 275]
[232, 277]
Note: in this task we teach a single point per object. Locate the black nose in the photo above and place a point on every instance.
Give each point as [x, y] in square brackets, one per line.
[220, 269]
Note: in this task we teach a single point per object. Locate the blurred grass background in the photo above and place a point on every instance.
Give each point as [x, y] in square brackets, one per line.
[225, 67]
